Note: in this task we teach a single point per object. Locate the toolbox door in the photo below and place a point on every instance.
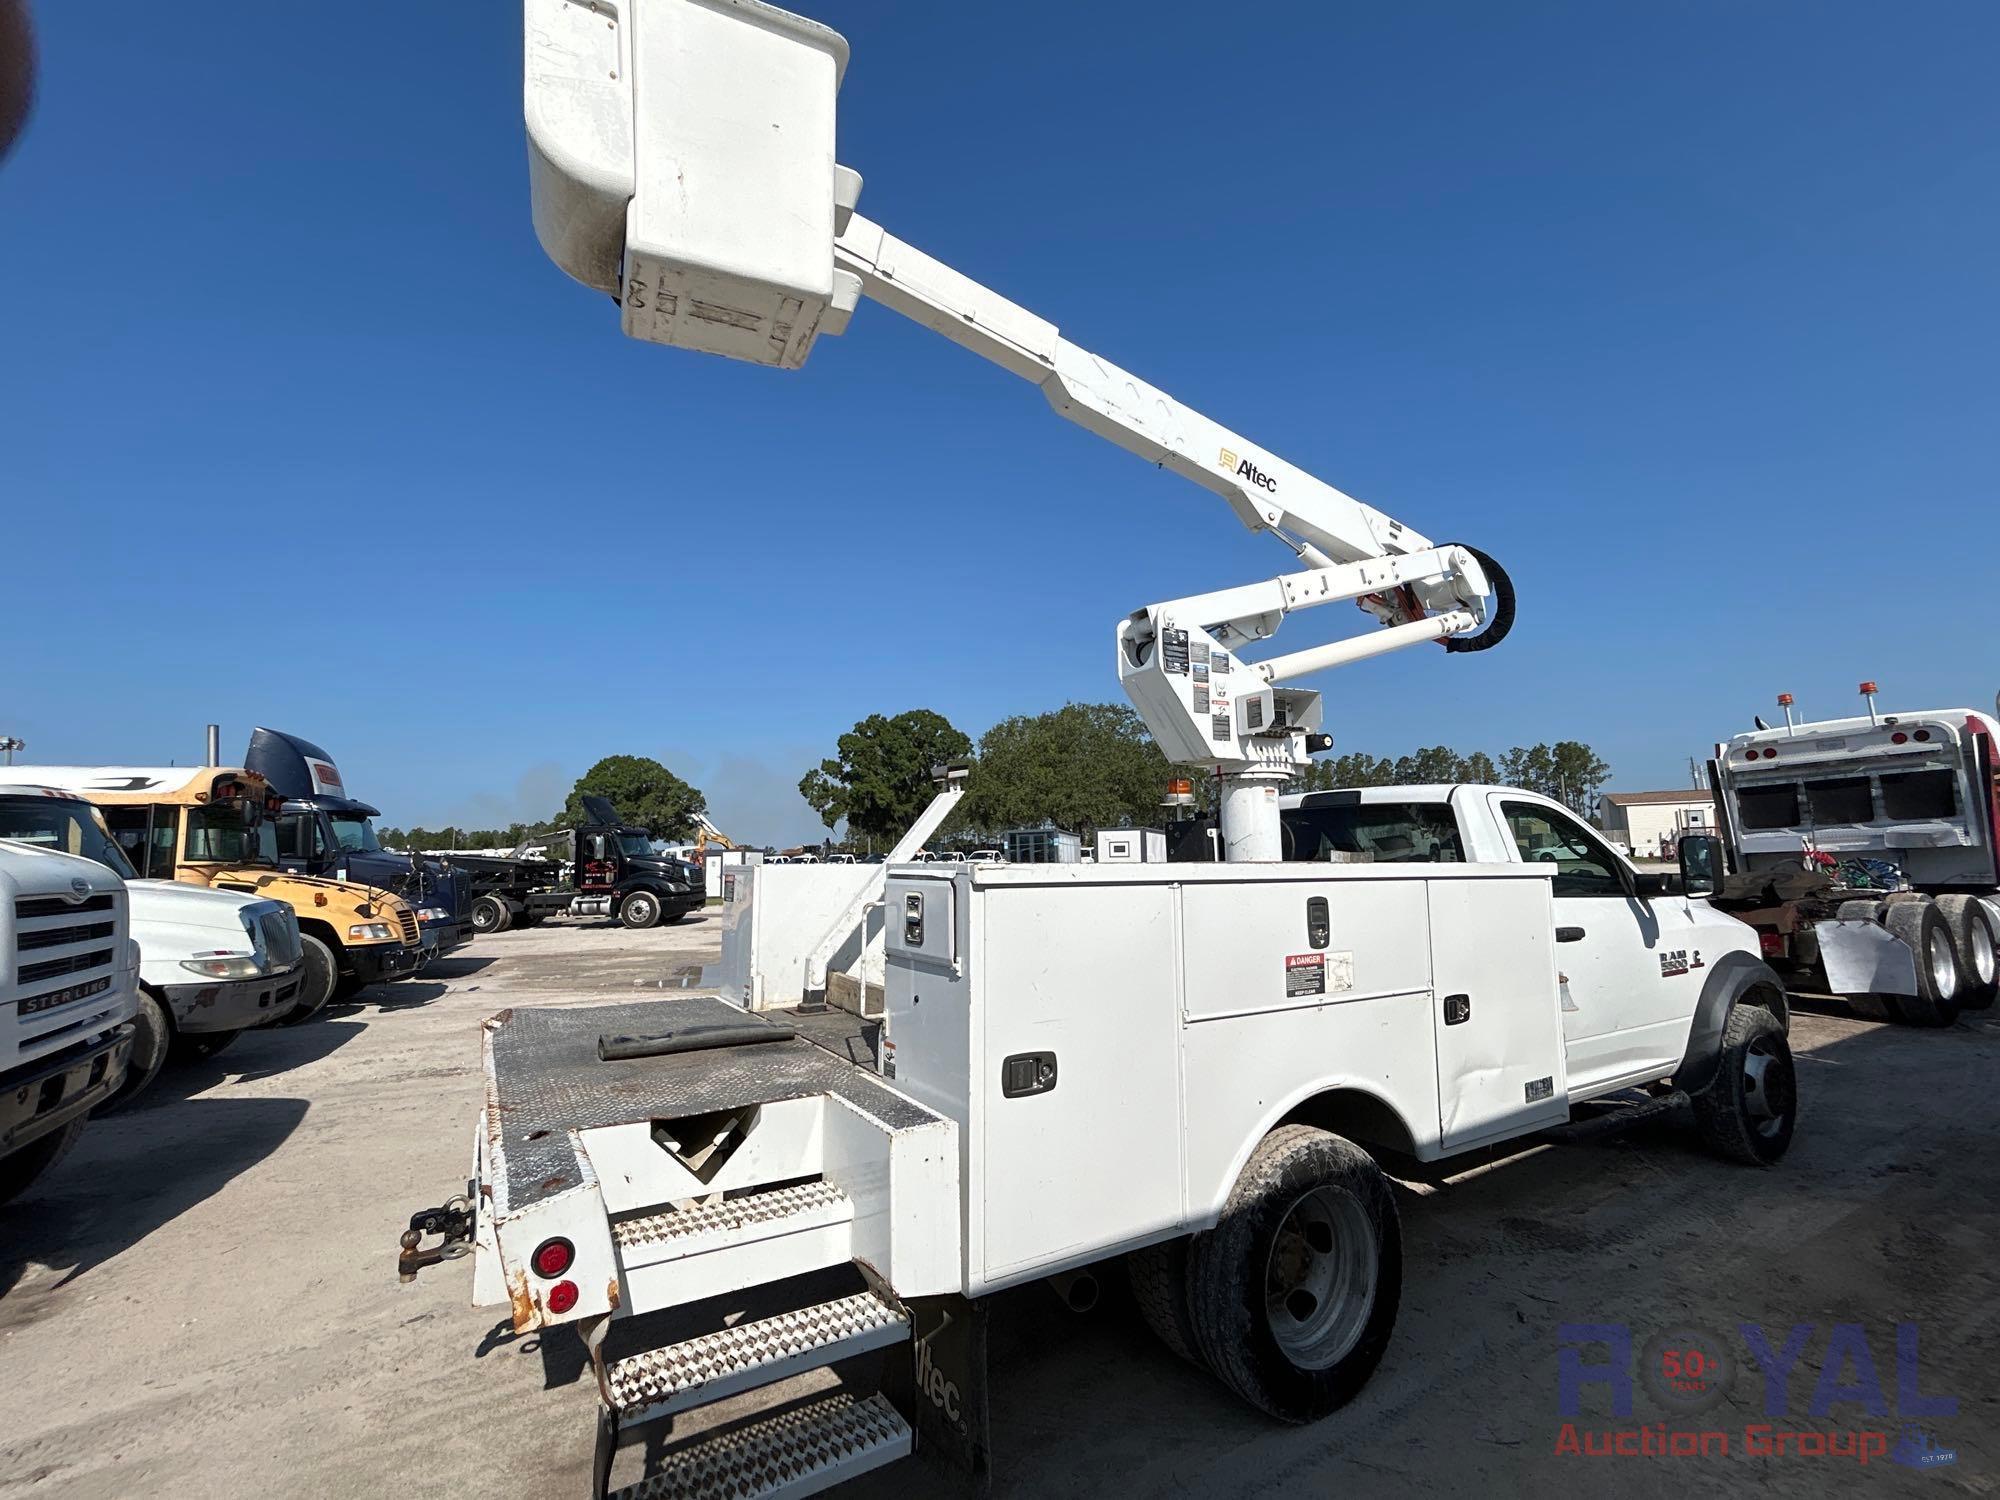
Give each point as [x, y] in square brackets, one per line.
[1496, 1010]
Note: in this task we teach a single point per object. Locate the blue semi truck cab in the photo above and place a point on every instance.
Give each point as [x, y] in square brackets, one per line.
[323, 831]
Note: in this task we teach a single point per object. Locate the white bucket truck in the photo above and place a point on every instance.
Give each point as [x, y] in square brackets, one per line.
[1195, 1066]
[212, 963]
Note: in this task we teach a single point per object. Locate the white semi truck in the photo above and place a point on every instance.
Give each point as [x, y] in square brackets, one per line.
[212, 963]
[69, 984]
[1866, 853]
[1196, 1066]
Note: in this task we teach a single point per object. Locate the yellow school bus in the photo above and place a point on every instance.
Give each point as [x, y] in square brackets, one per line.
[211, 825]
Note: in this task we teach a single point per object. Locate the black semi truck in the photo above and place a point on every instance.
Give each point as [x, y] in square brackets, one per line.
[600, 868]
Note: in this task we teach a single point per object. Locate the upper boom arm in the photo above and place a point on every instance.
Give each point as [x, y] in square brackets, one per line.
[1265, 492]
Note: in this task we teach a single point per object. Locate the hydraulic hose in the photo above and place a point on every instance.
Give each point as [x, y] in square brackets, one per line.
[1503, 607]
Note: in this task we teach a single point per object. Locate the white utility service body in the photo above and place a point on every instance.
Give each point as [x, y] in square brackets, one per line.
[1076, 1061]
[68, 989]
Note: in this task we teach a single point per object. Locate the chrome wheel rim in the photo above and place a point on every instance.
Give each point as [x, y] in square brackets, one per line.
[1768, 1094]
[1944, 963]
[1982, 951]
[1319, 1279]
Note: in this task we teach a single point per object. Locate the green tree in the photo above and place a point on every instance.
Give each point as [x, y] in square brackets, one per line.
[881, 778]
[646, 794]
[1434, 763]
[1084, 766]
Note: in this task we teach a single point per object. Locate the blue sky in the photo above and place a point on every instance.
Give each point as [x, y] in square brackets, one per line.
[1686, 312]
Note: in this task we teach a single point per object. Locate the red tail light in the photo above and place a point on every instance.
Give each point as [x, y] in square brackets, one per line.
[1773, 944]
[552, 1258]
[1899, 738]
[1921, 735]
[562, 1296]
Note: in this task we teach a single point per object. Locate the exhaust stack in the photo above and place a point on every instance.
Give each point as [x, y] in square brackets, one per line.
[214, 745]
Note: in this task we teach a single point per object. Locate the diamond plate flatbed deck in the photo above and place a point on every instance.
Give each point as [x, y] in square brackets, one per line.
[544, 1080]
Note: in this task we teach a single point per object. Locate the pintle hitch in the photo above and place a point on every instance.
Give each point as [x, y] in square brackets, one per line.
[452, 1223]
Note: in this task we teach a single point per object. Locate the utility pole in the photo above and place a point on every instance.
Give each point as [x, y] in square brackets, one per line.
[10, 744]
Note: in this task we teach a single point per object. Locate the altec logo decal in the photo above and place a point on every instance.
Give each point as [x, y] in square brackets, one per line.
[1246, 471]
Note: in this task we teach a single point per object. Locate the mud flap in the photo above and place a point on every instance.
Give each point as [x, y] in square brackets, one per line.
[942, 1388]
[1861, 958]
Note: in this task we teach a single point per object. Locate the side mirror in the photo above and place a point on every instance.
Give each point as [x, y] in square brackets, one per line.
[1701, 864]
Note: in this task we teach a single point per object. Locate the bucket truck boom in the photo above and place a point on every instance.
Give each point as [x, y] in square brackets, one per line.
[682, 160]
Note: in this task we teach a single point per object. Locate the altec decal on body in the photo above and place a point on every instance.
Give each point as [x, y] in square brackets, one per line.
[1246, 471]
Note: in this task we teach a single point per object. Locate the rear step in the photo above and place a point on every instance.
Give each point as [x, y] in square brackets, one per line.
[659, 1382]
[670, 1259]
[802, 1451]
[754, 1216]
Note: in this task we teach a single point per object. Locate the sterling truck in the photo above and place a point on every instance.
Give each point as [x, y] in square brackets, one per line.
[211, 963]
[1866, 853]
[69, 983]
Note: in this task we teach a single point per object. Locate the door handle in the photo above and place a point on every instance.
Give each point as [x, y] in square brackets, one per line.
[1569, 934]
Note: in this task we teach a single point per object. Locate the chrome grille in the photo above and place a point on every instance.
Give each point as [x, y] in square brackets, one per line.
[281, 937]
[406, 919]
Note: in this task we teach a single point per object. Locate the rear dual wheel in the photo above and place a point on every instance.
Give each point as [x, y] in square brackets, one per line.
[1973, 933]
[1940, 983]
[490, 914]
[1290, 1299]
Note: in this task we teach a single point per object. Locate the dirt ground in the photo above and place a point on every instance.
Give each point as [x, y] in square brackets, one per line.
[202, 1301]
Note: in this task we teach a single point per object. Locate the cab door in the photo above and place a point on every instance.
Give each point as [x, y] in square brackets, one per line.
[1628, 974]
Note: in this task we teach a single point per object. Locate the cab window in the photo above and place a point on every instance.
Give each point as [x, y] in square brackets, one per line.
[146, 834]
[1584, 867]
[1380, 832]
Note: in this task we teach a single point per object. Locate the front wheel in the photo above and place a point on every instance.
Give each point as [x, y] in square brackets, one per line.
[639, 910]
[22, 1167]
[1293, 1295]
[1748, 1113]
[152, 1038]
[318, 973]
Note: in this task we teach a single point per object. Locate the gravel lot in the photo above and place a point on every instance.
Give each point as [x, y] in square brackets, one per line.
[202, 1301]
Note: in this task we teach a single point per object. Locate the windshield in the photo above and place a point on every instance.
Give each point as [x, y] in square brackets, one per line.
[635, 845]
[218, 834]
[65, 827]
[356, 834]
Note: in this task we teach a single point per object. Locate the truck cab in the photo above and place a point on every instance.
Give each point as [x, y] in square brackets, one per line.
[69, 983]
[1632, 948]
[603, 867]
[323, 831]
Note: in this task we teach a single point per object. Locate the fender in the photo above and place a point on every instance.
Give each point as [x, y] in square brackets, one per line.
[1729, 977]
[657, 885]
[1204, 1214]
